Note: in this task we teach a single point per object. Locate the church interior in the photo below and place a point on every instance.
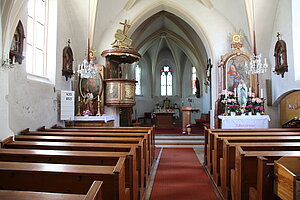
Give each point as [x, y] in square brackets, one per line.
[159, 99]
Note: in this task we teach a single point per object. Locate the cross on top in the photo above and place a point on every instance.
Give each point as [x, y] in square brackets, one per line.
[278, 35]
[125, 25]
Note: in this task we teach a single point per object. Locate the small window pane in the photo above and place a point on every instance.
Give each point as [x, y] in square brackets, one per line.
[28, 58]
[169, 90]
[138, 90]
[163, 90]
[30, 7]
[39, 63]
[40, 36]
[29, 30]
[40, 11]
[194, 89]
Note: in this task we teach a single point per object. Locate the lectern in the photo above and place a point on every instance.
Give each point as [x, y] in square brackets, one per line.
[186, 115]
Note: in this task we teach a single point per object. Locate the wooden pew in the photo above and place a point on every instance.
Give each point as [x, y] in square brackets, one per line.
[63, 178]
[227, 162]
[215, 147]
[148, 130]
[140, 141]
[246, 173]
[77, 157]
[94, 193]
[144, 135]
[238, 131]
[131, 149]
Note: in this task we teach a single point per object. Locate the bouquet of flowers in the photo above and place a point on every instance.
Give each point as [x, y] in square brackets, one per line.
[255, 105]
[86, 113]
[233, 107]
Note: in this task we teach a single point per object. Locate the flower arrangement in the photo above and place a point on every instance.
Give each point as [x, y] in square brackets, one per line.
[86, 113]
[233, 108]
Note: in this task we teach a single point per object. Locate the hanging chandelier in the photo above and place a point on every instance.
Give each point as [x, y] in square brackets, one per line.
[255, 65]
[88, 69]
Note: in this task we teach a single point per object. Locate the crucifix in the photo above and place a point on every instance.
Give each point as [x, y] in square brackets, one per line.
[125, 25]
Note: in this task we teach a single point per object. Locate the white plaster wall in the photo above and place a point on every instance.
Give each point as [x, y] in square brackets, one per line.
[282, 24]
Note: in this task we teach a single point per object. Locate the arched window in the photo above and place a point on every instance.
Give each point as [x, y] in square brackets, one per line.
[194, 75]
[138, 88]
[166, 81]
[36, 37]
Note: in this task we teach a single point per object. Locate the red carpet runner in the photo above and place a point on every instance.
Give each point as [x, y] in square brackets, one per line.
[180, 176]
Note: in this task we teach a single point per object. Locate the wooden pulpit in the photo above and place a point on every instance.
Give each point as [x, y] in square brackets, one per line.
[186, 115]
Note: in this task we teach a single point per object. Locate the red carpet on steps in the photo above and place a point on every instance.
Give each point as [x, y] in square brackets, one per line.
[180, 176]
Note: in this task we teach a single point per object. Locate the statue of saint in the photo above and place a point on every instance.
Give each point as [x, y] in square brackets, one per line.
[242, 93]
[88, 97]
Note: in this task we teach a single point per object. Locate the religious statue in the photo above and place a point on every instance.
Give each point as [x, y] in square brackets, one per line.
[242, 93]
[88, 101]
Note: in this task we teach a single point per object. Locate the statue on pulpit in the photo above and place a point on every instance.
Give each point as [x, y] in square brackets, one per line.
[88, 101]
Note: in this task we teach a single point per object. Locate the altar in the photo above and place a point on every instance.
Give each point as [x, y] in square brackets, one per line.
[104, 120]
[245, 122]
[164, 120]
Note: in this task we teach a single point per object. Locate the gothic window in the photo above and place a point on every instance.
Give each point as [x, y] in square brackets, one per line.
[166, 81]
[138, 88]
[194, 88]
[36, 37]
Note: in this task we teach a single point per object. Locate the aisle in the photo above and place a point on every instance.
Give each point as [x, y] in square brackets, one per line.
[180, 176]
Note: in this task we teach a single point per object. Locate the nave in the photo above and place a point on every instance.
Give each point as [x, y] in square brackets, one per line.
[123, 163]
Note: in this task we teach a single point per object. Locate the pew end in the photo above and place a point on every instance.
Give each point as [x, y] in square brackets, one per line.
[41, 128]
[95, 192]
[287, 184]
[25, 131]
[8, 140]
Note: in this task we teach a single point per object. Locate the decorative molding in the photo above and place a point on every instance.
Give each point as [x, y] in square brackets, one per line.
[129, 4]
[207, 3]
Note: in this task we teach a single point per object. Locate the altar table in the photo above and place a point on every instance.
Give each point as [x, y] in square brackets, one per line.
[104, 120]
[245, 122]
[164, 120]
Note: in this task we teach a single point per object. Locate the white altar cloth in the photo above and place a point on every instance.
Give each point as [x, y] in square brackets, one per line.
[105, 118]
[245, 122]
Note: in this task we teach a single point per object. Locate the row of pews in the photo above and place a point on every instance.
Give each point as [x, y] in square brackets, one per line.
[109, 163]
[241, 161]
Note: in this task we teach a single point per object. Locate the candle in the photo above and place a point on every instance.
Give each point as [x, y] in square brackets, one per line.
[98, 98]
[14, 60]
[78, 98]
[265, 60]
[235, 94]
[225, 93]
[250, 90]
[261, 93]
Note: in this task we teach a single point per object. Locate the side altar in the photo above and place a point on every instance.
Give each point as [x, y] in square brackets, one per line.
[245, 122]
[104, 120]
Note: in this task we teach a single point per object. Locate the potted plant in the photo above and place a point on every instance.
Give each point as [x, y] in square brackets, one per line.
[189, 128]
